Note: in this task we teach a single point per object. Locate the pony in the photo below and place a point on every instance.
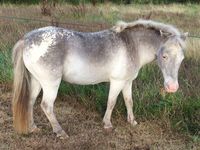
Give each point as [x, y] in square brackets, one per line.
[45, 56]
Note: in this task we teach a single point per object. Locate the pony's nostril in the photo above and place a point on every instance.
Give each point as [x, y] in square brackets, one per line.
[172, 87]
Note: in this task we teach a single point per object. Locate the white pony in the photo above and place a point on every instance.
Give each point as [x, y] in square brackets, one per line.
[44, 57]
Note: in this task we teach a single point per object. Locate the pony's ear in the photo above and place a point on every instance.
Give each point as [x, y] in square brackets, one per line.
[119, 27]
[166, 34]
[184, 36]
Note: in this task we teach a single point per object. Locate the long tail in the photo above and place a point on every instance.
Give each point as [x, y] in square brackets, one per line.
[20, 102]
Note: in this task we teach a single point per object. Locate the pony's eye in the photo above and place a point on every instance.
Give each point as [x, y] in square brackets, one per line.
[164, 57]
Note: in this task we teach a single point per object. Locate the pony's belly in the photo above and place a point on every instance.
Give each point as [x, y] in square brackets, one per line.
[85, 77]
[83, 73]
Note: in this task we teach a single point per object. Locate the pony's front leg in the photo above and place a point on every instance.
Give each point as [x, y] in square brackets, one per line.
[47, 104]
[127, 94]
[115, 87]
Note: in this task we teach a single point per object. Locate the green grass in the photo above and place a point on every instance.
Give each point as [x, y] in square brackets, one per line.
[6, 73]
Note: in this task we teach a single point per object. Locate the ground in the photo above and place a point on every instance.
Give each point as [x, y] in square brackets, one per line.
[84, 126]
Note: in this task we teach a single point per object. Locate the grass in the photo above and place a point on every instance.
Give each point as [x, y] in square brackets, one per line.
[179, 111]
[5, 66]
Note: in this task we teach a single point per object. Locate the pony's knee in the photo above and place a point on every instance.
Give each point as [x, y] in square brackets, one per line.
[129, 101]
[111, 105]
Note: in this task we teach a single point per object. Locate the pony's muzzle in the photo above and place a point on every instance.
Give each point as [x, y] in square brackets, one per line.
[171, 87]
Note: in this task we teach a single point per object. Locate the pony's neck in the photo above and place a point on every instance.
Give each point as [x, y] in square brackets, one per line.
[147, 49]
[142, 43]
[146, 55]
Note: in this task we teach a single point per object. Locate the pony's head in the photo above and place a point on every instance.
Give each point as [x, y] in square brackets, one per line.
[171, 52]
[169, 57]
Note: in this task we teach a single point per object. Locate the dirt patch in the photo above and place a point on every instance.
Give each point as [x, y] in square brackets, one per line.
[84, 126]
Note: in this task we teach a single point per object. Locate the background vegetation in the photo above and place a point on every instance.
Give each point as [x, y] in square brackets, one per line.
[179, 112]
[103, 1]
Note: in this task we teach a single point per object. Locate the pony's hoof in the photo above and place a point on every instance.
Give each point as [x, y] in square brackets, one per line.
[108, 129]
[134, 123]
[35, 130]
[62, 135]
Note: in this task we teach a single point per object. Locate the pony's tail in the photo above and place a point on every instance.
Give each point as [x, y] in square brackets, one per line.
[20, 102]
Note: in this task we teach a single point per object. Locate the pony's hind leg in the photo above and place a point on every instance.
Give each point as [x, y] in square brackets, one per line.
[49, 95]
[35, 89]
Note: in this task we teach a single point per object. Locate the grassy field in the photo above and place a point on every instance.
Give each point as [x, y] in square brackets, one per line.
[179, 112]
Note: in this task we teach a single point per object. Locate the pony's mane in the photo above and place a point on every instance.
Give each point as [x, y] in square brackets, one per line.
[165, 28]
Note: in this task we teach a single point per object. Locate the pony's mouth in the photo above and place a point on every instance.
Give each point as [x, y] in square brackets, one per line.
[171, 87]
